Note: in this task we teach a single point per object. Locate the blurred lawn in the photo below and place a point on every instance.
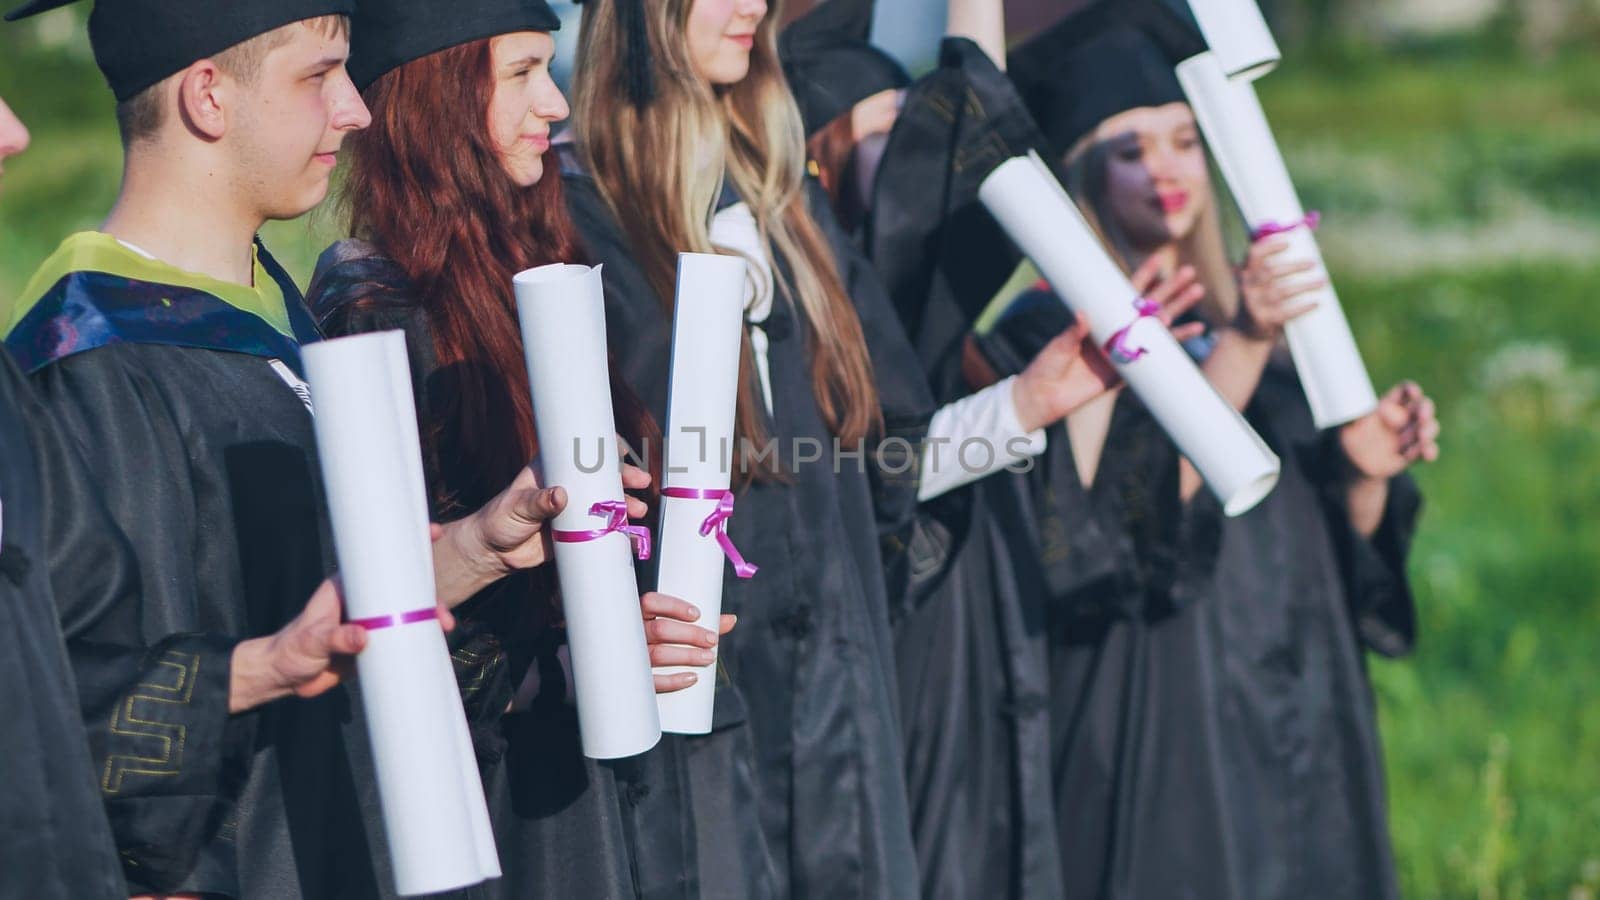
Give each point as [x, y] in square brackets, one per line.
[1463, 203]
[1482, 181]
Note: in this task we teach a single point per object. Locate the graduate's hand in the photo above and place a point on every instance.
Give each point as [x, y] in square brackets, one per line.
[1069, 372]
[1072, 369]
[1176, 295]
[1403, 429]
[635, 479]
[1272, 292]
[306, 657]
[675, 640]
[508, 532]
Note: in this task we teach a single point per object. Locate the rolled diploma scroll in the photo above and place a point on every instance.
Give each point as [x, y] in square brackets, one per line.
[1238, 34]
[1036, 212]
[563, 315]
[366, 424]
[1336, 382]
[707, 330]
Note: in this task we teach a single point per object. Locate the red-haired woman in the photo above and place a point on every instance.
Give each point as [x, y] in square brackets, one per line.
[448, 199]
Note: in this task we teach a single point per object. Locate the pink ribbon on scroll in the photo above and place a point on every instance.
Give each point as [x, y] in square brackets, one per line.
[716, 524]
[1267, 229]
[373, 623]
[1117, 348]
[617, 523]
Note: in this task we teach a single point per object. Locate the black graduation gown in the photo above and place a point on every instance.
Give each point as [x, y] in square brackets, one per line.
[969, 637]
[207, 461]
[1298, 598]
[55, 840]
[1137, 755]
[565, 825]
[810, 664]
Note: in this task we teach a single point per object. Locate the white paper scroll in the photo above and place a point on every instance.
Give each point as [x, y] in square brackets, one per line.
[366, 424]
[1238, 34]
[1036, 212]
[563, 315]
[706, 333]
[1336, 382]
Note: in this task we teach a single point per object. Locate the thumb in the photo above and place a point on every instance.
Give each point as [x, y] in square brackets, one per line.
[346, 640]
[1393, 414]
[327, 602]
[540, 505]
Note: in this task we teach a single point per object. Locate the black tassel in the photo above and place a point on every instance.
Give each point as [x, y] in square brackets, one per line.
[640, 81]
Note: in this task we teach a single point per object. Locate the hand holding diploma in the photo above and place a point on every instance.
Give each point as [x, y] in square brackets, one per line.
[306, 658]
[1029, 203]
[562, 313]
[697, 502]
[1274, 289]
[675, 639]
[1242, 144]
[507, 534]
[1071, 370]
[434, 815]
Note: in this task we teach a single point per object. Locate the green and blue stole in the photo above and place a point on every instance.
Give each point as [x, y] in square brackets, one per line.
[94, 291]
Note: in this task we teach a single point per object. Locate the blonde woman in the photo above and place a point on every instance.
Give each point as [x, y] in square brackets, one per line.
[1215, 734]
[688, 139]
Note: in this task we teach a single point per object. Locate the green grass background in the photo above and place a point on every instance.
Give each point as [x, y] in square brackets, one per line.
[1462, 195]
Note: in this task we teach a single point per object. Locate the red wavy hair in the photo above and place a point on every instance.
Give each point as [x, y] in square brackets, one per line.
[426, 187]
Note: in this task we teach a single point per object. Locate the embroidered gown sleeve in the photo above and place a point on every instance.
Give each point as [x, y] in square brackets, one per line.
[166, 752]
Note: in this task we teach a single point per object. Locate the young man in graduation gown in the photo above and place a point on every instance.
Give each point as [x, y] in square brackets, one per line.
[167, 346]
[69, 643]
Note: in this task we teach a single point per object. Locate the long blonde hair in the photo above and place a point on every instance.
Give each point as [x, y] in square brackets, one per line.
[1204, 248]
[660, 167]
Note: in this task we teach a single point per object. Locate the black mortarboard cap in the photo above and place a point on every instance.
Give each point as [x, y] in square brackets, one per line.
[831, 64]
[387, 34]
[1112, 56]
[139, 42]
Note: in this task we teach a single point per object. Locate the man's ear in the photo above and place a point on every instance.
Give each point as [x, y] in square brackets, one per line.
[205, 98]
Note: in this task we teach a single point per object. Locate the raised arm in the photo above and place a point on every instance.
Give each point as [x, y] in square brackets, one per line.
[981, 21]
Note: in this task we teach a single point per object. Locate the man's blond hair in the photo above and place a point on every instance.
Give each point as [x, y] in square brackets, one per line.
[143, 114]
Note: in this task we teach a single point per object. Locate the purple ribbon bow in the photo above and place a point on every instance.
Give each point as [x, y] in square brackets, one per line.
[617, 510]
[716, 524]
[373, 623]
[1267, 229]
[1117, 348]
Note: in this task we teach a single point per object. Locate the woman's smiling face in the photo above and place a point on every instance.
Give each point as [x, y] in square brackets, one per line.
[721, 34]
[525, 104]
[1157, 183]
